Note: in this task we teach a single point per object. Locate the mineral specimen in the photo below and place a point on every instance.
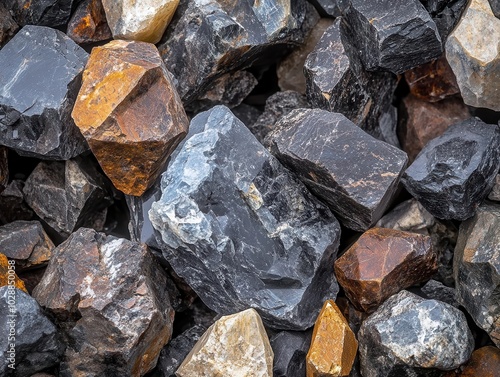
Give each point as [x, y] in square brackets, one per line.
[8, 275]
[446, 14]
[88, 23]
[290, 350]
[8, 26]
[484, 362]
[12, 204]
[40, 12]
[495, 191]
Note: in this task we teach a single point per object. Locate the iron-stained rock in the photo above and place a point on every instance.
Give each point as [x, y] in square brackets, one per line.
[411, 336]
[41, 73]
[40, 12]
[108, 295]
[88, 23]
[357, 183]
[495, 191]
[455, 171]
[391, 35]
[36, 344]
[12, 204]
[446, 14]
[290, 350]
[8, 27]
[477, 268]
[484, 362]
[241, 230]
[130, 113]
[8, 274]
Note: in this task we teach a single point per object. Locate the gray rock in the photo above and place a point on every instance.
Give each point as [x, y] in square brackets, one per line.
[446, 14]
[495, 7]
[12, 204]
[290, 349]
[358, 183]
[392, 35]
[329, 8]
[455, 171]
[437, 291]
[37, 342]
[241, 230]
[411, 336]
[495, 191]
[41, 75]
[247, 114]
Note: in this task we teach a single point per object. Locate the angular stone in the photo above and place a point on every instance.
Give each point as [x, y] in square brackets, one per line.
[290, 350]
[144, 20]
[130, 113]
[446, 14]
[108, 296]
[455, 171]
[40, 12]
[12, 204]
[437, 291]
[212, 38]
[67, 194]
[473, 56]
[333, 346]
[235, 345]
[495, 7]
[421, 121]
[477, 268]
[329, 8]
[4, 168]
[495, 191]
[381, 263]
[353, 316]
[6, 276]
[8, 26]
[391, 35]
[37, 344]
[27, 243]
[41, 73]
[345, 87]
[88, 23]
[241, 230]
[484, 362]
[139, 226]
[411, 336]
[358, 183]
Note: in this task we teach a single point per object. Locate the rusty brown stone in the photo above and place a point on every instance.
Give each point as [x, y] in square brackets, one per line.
[5, 267]
[130, 113]
[4, 168]
[484, 362]
[421, 121]
[381, 263]
[88, 24]
[333, 346]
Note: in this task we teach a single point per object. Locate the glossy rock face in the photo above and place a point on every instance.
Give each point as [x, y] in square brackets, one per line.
[241, 230]
[40, 12]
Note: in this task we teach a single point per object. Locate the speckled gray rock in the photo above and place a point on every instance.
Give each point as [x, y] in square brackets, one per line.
[345, 87]
[446, 14]
[241, 230]
[455, 171]
[358, 183]
[392, 35]
[290, 350]
[435, 290]
[410, 336]
[41, 74]
[495, 191]
[37, 342]
[41, 12]
[477, 268]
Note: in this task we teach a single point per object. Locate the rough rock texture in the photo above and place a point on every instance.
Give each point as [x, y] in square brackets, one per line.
[353, 316]
[235, 345]
[67, 195]
[329, 8]
[437, 291]
[446, 14]
[333, 345]
[144, 20]
[27, 243]
[392, 35]
[247, 114]
[484, 362]
[88, 23]
[241, 230]
[215, 37]
[495, 7]
[455, 171]
[40, 12]
[37, 343]
[308, 141]
[5, 267]
[4, 168]
[381, 263]
[421, 121]
[408, 333]
[108, 295]
[290, 350]
[130, 113]
[41, 73]
[8, 26]
[12, 204]
[345, 87]
[495, 191]
[477, 268]
[472, 51]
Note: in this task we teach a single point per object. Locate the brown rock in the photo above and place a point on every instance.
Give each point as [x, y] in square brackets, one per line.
[484, 362]
[432, 81]
[88, 24]
[4, 168]
[422, 121]
[381, 263]
[333, 345]
[130, 113]
[5, 267]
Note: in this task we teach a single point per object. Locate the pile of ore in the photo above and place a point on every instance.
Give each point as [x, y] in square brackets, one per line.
[207, 188]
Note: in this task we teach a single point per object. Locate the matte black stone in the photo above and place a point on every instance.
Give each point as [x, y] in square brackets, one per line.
[455, 171]
[447, 13]
[495, 7]
[329, 8]
[41, 74]
[241, 230]
[12, 204]
[247, 114]
[8, 26]
[4, 168]
[392, 35]
[41, 12]
[345, 87]
[37, 343]
[290, 349]
[354, 173]
[435, 290]
[495, 191]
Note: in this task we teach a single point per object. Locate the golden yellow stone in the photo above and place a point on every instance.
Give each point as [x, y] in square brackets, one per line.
[5, 267]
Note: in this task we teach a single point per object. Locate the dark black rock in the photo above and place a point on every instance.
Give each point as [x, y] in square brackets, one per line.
[247, 114]
[455, 171]
[495, 7]
[392, 35]
[447, 13]
[345, 87]
[41, 12]
[329, 8]
[4, 168]
[37, 343]
[41, 72]
[435, 290]
[241, 230]
[290, 350]
[8, 26]
[12, 204]
[354, 173]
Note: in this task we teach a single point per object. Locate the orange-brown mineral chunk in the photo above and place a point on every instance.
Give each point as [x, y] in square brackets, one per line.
[130, 113]
[6, 267]
[333, 345]
[484, 362]
[88, 23]
[381, 263]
